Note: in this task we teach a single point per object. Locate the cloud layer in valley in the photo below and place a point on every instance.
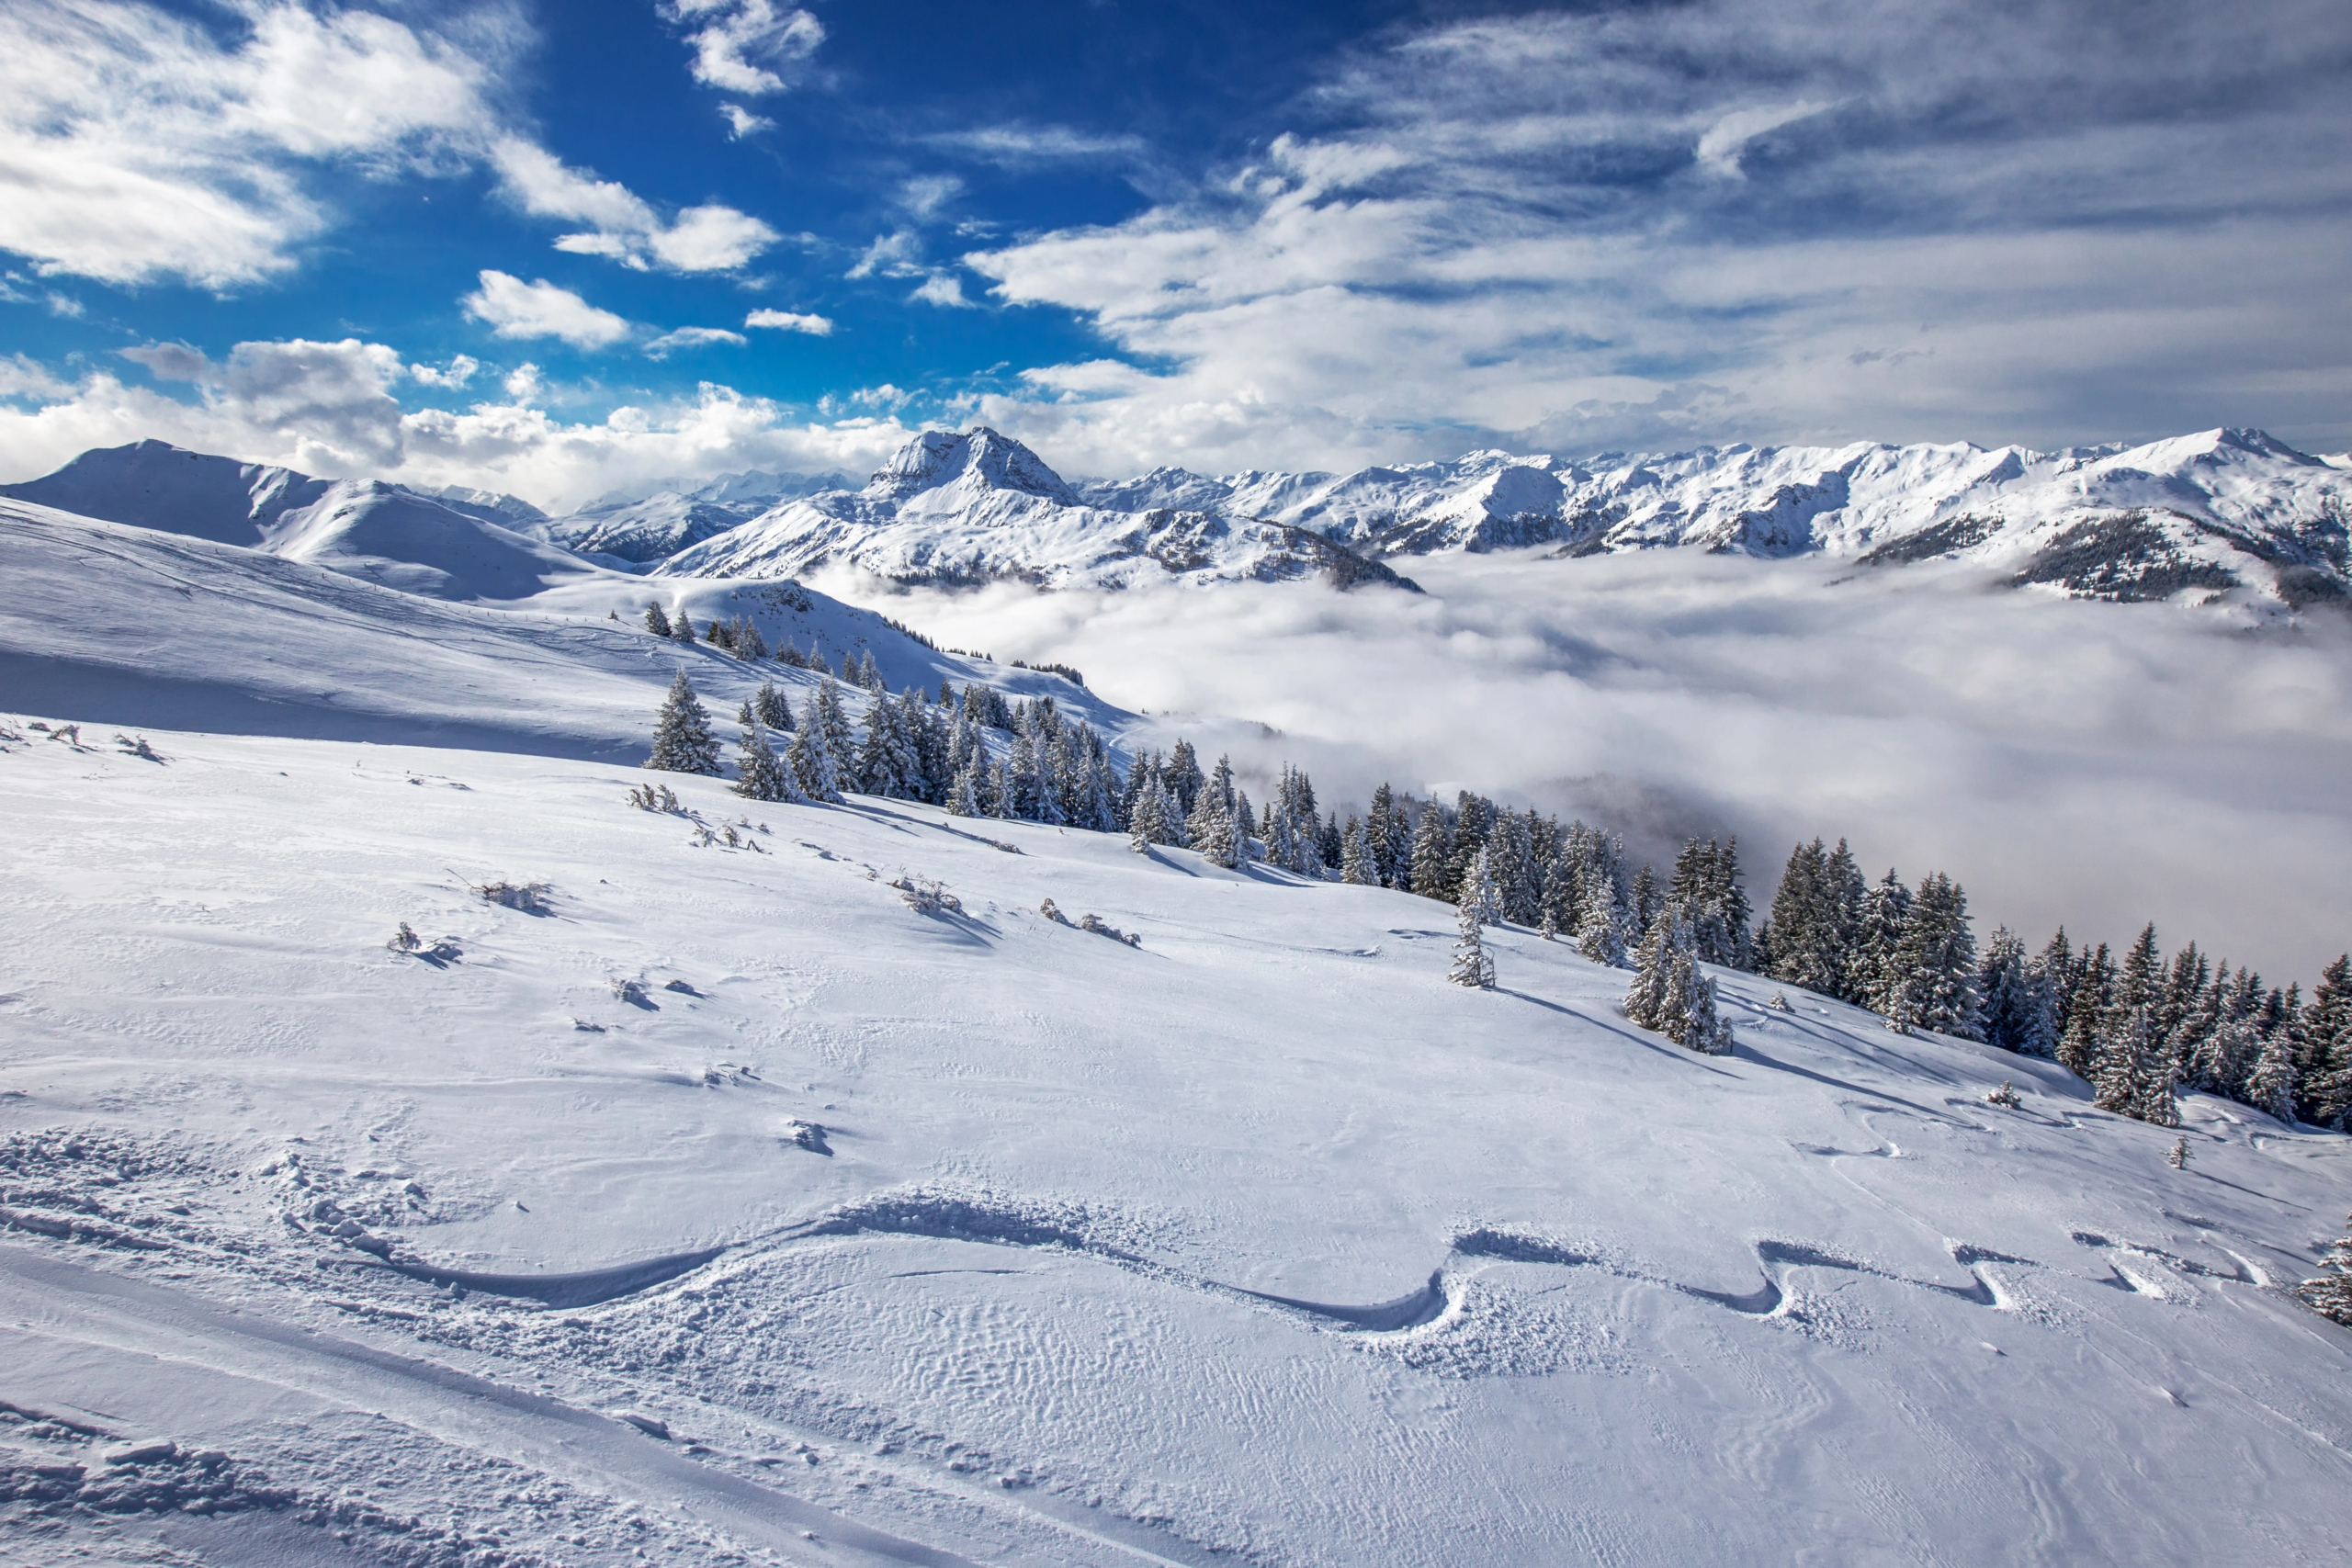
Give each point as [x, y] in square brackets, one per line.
[2095, 764]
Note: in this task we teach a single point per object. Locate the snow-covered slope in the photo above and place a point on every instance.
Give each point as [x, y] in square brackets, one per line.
[457, 547]
[730, 1209]
[955, 509]
[131, 626]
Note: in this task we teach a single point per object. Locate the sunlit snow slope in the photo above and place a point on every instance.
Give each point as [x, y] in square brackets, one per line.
[732, 1209]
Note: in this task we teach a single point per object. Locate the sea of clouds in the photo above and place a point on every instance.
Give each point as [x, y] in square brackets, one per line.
[2099, 765]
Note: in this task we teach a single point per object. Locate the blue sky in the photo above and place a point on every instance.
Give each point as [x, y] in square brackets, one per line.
[525, 245]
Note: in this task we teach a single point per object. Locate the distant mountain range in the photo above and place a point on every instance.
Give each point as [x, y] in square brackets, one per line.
[2222, 511]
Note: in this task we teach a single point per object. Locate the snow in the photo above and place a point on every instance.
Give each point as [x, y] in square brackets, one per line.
[1117, 1251]
[787, 1183]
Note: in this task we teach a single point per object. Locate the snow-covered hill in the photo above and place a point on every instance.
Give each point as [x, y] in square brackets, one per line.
[954, 509]
[455, 546]
[722, 1207]
[126, 625]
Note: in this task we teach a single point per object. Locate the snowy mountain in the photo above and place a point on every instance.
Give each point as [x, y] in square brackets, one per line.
[719, 1204]
[631, 531]
[2214, 511]
[456, 547]
[953, 509]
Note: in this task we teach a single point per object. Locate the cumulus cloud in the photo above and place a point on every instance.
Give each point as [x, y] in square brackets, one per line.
[460, 371]
[1652, 226]
[2095, 764]
[623, 225]
[691, 337]
[791, 321]
[329, 409]
[944, 288]
[746, 46]
[135, 146]
[513, 307]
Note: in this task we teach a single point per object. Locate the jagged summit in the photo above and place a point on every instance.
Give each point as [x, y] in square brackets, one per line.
[966, 465]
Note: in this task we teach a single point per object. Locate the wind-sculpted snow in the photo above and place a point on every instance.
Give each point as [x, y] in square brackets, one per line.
[1259, 1243]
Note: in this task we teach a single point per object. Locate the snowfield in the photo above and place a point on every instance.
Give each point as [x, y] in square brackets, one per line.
[726, 1208]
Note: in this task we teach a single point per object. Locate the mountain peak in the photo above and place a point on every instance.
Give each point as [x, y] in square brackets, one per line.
[975, 459]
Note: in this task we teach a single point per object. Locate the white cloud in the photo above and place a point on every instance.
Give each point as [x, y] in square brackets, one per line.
[134, 146]
[746, 46]
[892, 255]
[691, 337]
[624, 226]
[2068, 762]
[1719, 149]
[742, 122]
[515, 308]
[925, 193]
[1573, 232]
[460, 370]
[791, 321]
[327, 408]
[1031, 144]
[943, 288]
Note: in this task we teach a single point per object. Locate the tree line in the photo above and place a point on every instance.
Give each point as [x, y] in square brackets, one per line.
[2138, 1026]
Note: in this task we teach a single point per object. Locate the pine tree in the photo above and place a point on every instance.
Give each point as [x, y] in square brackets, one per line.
[2017, 1012]
[768, 704]
[760, 775]
[2329, 1292]
[1433, 848]
[1472, 964]
[683, 627]
[965, 799]
[683, 742]
[1356, 866]
[1183, 776]
[1602, 941]
[1672, 995]
[2086, 1010]
[1480, 897]
[2327, 1046]
[1929, 980]
[656, 621]
[815, 771]
[1387, 836]
[1872, 973]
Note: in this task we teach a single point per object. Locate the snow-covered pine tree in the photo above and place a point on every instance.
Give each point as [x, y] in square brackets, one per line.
[683, 742]
[1356, 867]
[816, 772]
[2327, 1046]
[1181, 774]
[2329, 1292]
[1511, 859]
[682, 626]
[1387, 838]
[829, 714]
[768, 704]
[2271, 1083]
[2087, 1008]
[2016, 1007]
[760, 775]
[878, 760]
[1480, 895]
[1929, 981]
[1432, 851]
[1472, 964]
[1642, 905]
[1147, 823]
[965, 799]
[657, 621]
[1671, 995]
[1884, 909]
[1000, 790]
[1602, 939]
